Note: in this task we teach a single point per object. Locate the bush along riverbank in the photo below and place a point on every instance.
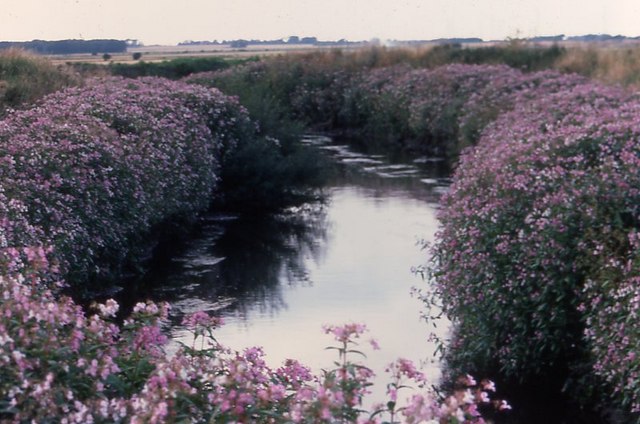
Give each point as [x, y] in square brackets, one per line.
[536, 260]
[437, 111]
[84, 177]
[94, 168]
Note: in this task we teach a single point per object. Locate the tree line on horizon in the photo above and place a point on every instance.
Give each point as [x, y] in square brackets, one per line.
[70, 46]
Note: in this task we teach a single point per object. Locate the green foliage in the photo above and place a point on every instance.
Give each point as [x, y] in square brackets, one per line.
[172, 69]
[263, 175]
[24, 78]
[272, 170]
[303, 91]
[516, 55]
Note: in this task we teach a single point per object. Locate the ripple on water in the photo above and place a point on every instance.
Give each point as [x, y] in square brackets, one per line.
[428, 159]
[203, 261]
[361, 160]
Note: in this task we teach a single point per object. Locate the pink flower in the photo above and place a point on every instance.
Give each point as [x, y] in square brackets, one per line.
[202, 319]
[109, 308]
[346, 332]
[504, 406]
[374, 344]
[488, 385]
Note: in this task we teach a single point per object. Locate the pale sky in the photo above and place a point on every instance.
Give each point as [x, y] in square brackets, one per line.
[173, 21]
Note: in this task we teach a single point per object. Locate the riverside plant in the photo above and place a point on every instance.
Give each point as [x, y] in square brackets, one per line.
[536, 259]
[92, 168]
[84, 175]
[62, 365]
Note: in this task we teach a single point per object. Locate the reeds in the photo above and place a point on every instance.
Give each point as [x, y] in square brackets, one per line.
[26, 77]
[612, 64]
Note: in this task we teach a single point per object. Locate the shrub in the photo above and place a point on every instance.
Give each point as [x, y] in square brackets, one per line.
[536, 228]
[376, 106]
[271, 170]
[96, 167]
[263, 175]
[25, 78]
[172, 69]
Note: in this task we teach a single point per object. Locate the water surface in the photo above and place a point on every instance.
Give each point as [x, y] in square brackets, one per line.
[277, 280]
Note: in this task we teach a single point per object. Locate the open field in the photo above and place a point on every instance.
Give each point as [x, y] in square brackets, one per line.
[160, 53]
[607, 55]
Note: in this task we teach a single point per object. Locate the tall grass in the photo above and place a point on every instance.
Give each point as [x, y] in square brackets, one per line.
[617, 65]
[172, 69]
[516, 53]
[25, 77]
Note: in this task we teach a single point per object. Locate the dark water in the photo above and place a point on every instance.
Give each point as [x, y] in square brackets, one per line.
[277, 280]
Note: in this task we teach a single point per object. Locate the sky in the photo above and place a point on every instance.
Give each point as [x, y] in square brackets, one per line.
[168, 22]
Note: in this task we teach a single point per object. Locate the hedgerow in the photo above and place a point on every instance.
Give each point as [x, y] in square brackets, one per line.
[96, 167]
[535, 258]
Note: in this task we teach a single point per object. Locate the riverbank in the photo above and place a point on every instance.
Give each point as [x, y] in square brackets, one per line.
[84, 176]
[536, 261]
[544, 182]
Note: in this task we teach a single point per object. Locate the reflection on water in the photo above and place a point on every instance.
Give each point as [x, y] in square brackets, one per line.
[277, 280]
[239, 265]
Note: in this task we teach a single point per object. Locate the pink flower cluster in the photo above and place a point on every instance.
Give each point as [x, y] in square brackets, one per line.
[60, 364]
[461, 406]
[92, 168]
[536, 258]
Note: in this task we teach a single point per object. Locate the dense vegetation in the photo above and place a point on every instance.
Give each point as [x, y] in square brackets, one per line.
[172, 69]
[536, 262]
[83, 177]
[25, 78]
[537, 243]
[375, 95]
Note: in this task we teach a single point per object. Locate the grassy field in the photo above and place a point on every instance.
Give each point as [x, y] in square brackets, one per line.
[609, 62]
[162, 53]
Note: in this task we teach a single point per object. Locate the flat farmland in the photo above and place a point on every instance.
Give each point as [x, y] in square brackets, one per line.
[162, 53]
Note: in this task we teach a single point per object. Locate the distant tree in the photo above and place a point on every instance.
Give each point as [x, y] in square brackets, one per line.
[106, 56]
[294, 39]
[239, 44]
[137, 56]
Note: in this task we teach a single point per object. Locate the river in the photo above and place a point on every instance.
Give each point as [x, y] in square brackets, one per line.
[276, 281]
